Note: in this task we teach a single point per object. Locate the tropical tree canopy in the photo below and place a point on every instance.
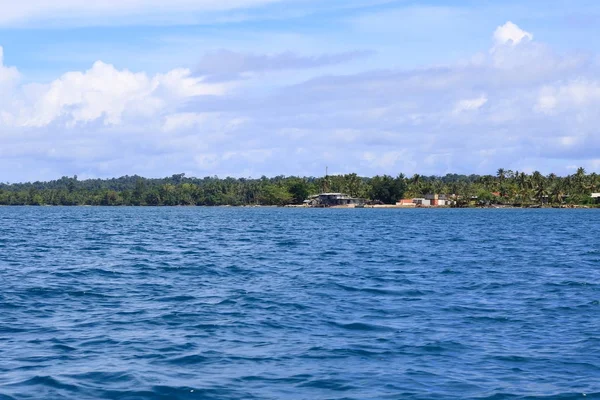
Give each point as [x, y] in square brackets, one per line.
[505, 187]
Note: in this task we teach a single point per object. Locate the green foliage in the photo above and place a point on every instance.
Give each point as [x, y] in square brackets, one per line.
[505, 187]
[299, 189]
[485, 196]
[386, 189]
[275, 196]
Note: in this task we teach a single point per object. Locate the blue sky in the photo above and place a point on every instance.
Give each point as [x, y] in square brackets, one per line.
[253, 87]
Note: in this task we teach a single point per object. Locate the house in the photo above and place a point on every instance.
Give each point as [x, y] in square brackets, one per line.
[334, 200]
[438, 199]
[430, 200]
[596, 197]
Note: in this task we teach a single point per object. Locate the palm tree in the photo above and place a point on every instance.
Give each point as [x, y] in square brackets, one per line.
[541, 192]
[558, 192]
[415, 185]
[501, 174]
[580, 180]
[539, 186]
[594, 182]
[523, 187]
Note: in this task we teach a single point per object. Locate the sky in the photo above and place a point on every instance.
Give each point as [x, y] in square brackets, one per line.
[246, 88]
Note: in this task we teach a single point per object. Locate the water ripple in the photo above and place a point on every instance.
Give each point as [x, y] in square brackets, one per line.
[227, 303]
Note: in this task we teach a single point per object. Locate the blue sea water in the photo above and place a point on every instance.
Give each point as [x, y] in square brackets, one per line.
[231, 303]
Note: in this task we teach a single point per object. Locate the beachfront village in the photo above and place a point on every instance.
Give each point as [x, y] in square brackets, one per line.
[506, 189]
[342, 200]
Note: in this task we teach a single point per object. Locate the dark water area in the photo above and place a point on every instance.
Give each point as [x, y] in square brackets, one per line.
[229, 303]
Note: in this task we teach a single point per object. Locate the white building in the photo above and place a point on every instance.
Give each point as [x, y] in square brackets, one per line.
[422, 202]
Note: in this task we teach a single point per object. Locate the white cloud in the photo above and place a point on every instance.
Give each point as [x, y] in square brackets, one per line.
[470, 104]
[547, 100]
[104, 94]
[385, 159]
[180, 121]
[577, 95]
[193, 121]
[510, 33]
[568, 140]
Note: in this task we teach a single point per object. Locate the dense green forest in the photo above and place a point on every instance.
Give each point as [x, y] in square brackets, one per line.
[505, 187]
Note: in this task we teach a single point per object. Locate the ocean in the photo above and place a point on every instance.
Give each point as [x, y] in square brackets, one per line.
[277, 303]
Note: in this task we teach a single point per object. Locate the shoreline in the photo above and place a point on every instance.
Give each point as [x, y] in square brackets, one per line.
[378, 206]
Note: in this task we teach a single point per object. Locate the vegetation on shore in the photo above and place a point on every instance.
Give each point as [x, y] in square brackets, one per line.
[506, 187]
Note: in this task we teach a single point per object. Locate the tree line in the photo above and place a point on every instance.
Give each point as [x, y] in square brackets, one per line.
[505, 187]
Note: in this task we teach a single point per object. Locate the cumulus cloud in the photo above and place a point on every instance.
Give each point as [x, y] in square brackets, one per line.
[510, 33]
[104, 93]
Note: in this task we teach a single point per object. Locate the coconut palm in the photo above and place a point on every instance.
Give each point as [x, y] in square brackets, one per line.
[558, 192]
[501, 174]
